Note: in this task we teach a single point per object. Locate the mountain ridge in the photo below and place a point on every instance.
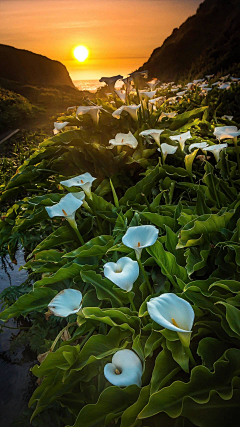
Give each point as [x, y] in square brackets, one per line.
[205, 43]
[28, 67]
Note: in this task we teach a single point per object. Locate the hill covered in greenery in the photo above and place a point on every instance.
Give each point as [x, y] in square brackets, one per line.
[204, 44]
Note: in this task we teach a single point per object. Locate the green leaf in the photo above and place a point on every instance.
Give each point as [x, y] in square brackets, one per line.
[203, 228]
[122, 317]
[97, 246]
[113, 400]
[167, 262]
[105, 288]
[159, 220]
[203, 383]
[35, 300]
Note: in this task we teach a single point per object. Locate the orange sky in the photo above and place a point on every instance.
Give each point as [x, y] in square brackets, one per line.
[120, 34]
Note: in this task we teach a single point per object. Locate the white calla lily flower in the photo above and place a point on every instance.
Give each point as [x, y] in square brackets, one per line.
[145, 95]
[72, 108]
[127, 81]
[216, 149]
[125, 139]
[137, 75]
[123, 273]
[226, 132]
[168, 115]
[130, 109]
[227, 117]
[198, 81]
[209, 76]
[201, 145]
[166, 149]
[66, 208]
[66, 302]
[140, 237]
[122, 94]
[182, 138]
[173, 313]
[153, 83]
[93, 110]
[84, 181]
[110, 81]
[126, 369]
[157, 101]
[59, 126]
[224, 86]
[154, 133]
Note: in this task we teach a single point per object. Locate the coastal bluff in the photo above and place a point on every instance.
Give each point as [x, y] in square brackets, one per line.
[27, 67]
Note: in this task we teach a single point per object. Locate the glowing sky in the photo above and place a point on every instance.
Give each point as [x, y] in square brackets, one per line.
[120, 34]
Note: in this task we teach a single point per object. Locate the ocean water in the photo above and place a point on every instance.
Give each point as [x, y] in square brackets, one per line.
[92, 85]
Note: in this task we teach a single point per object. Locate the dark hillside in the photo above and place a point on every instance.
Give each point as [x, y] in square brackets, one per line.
[205, 43]
[28, 67]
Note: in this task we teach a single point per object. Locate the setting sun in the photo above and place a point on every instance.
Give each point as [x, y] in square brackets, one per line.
[81, 53]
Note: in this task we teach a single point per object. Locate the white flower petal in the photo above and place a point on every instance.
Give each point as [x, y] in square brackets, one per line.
[182, 138]
[173, 313]
[140, 237]
[84, 181]
[147, 95]
[216, 149]
[130, 109]
[59, 126]
[125, 139]
[123, 273]
[66, 302]
[167, 149]
[94, 111]
[66, 207]
[201, 145]
[128, 364]
[226, 132]
[168, 115]
[154, 133]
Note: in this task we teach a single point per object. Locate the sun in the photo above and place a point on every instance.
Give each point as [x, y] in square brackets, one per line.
[81, 53]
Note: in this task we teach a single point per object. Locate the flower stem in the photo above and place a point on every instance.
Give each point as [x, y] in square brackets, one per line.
[60, 334]
[73, 224]
[189, 354]
[79, 236]
[131, 302]
[144, 275]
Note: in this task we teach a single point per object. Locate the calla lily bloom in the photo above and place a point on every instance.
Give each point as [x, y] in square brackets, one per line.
[123, 273]
[121, 94]
[216, 149]
[84, 181]
[94, 111]
[154, 133]
[198, 81]
[59, 126]
[72, 108]
[226, 132]
[125, 369]
[182, 138]
[140, 237]
[147, 95]
[66, 302]
[130, 109]
[168, 115]
[224, 86]
[125, 139]
[201, 145]
[173, 313]
[209, 76]
[167, 149]
[137, 75]
[153, 83]
[110, 81]
[157, 101]
[66, 207]
[227, 117]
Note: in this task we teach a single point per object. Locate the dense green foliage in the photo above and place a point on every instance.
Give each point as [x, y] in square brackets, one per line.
[194, 202]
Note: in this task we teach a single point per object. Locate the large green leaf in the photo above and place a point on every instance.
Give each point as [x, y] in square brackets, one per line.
[202, 385]
[97, 246]
[35, 300]
[168, 264]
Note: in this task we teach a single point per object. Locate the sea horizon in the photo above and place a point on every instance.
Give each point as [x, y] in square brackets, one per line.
[91, 85]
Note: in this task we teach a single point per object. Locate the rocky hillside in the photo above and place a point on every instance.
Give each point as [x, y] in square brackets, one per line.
[205, 43]
[28, 67]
